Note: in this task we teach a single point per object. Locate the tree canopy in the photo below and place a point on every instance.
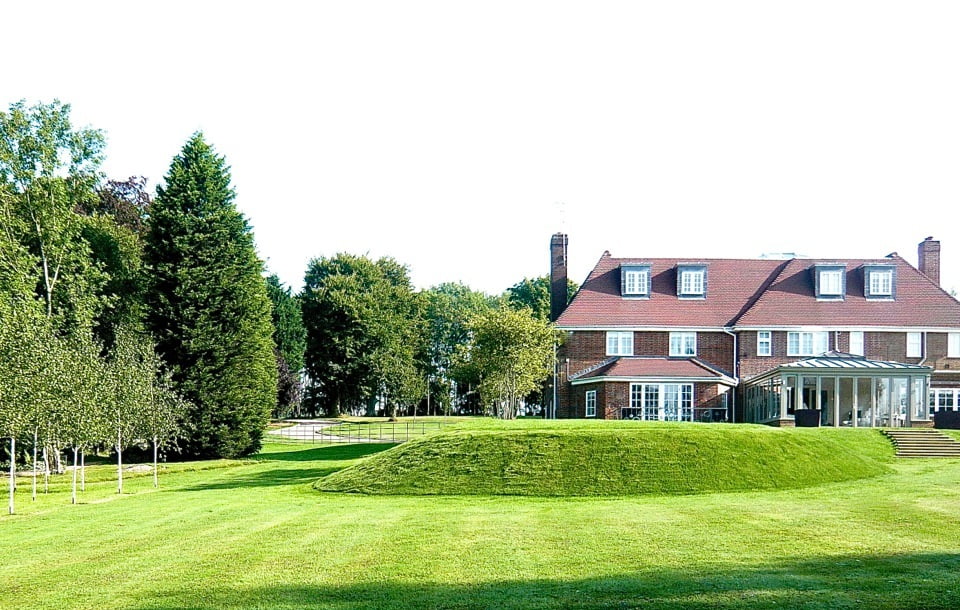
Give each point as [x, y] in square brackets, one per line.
[207, 305]
[534, 294]
[512, 352]
[364, 334]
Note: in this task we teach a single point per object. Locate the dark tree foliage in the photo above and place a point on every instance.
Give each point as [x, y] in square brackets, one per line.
[207, 306]
[289, 390]
[290, 338]
[449, 309]
[126, 201]
[289, 334]
[535, 294]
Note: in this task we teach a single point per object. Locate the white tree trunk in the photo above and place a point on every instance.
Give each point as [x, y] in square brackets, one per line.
[83, 470]
[73, 493]
[119, 466]
[46, 470]
[13, 470]
[34, 464]
[155, 482]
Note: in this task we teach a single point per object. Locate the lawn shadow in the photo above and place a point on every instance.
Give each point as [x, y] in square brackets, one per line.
[892, 581]
[306, 466]
[326, 453]
[273, 478]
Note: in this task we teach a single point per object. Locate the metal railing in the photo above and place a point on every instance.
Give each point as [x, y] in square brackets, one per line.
[357, 432]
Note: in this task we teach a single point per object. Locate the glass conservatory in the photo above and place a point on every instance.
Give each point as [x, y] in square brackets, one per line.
[838, 389]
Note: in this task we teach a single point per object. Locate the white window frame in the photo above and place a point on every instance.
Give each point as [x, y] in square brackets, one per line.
[683, 344]
[953, 345]
[881, 283]
[619, 343]
[807, 343]
[764, 343]
[635, 282]
[590, 403]
[831, 282]
[652, 399]
[856, 343]
[914, 345]
[691, 282]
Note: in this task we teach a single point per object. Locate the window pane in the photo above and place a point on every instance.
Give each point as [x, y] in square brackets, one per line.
[881, 282]
[953, 345]
[793, 344]
[651, 402]
[691, 282]
[913, 345]
[686, 402]
[619, 343]
[856, 343]
[830, 282]
[671, 402]
[763, 343]
[821, 343]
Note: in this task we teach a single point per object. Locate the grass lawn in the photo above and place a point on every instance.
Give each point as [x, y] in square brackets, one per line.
[586, 458]
[255, 534]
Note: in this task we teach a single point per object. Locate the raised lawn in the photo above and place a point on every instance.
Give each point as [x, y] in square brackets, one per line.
[571, 458]
[257, 535]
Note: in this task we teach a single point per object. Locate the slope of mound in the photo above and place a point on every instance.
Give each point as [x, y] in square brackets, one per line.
[629, 459]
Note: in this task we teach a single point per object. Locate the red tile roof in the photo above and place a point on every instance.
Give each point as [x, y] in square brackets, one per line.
[640, 367]
[732, 285]
[790, 300]
[757, 293]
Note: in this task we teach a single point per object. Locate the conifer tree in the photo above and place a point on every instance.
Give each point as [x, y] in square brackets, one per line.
[207, 306]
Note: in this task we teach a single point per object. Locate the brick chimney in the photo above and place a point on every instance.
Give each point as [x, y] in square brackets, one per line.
[558, 275]
[928, 259]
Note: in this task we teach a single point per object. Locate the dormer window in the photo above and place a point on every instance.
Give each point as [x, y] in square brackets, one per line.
[880, 282]
[830, 281]
[635, 280]
[691, 281]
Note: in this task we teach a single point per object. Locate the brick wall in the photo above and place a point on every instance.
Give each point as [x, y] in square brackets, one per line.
[584, 349]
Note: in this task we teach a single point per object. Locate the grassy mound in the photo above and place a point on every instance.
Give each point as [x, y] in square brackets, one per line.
[615, 458]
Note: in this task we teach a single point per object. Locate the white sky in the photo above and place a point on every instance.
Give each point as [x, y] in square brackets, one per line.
[449, 134]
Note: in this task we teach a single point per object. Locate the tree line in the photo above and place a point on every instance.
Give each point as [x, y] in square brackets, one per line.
[374, 345]
[135, 320]
[125, 319]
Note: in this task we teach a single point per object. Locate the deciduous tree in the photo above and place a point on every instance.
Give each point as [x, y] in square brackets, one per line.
[364, 333]
[534, 294]
[512, 352]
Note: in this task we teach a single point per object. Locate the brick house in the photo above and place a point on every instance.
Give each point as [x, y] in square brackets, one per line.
[848, 342]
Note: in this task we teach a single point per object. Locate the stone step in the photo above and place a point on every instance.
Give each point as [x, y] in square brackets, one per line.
[923, 444]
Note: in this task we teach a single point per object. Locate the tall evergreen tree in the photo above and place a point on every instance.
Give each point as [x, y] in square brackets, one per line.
[290, 337]
[207, 305]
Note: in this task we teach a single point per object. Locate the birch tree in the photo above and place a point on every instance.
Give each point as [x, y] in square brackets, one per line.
[84, 392]
[47, 168]
[129, 388]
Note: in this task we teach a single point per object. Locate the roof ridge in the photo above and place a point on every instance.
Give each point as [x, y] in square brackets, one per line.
[759, 294]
